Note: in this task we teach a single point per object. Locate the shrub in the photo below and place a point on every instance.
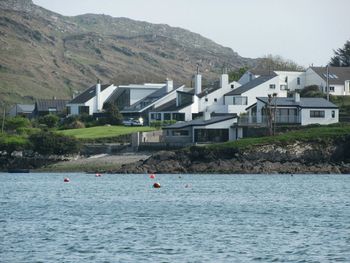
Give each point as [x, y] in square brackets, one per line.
[53, 143]
[14, 123]
[49, 120]
[11, 143]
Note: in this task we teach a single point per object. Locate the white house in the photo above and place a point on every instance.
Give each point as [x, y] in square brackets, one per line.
[296, 110]
[339, 79]
[219, 128]
[244, 96]
[91, 100]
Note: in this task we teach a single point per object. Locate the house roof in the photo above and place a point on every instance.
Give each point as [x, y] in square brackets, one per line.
[261, 72]
[250, 85]
[201, 122]
[87, 94]
[44, 105]
[170, 106]
[144, 103]
[24, 108]
[209, 89]
[304, 102]
[337, 75]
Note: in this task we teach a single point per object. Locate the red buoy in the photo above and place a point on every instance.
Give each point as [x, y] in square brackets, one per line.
[66, 180]
[98, 175]
[152, 176]
[156, 185]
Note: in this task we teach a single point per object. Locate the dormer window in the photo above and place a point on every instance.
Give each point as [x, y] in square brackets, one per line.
[232, 86]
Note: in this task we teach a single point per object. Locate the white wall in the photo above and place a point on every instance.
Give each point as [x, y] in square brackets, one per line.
[292, 79]
[312, 78]
[261, 90]
[306, 120]
[137, 94]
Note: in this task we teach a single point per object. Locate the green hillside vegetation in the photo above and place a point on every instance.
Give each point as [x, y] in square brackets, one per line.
[319, 134]
[44, 54]
[104, 131]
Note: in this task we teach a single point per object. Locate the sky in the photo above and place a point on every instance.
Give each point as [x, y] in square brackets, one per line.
[305, 31]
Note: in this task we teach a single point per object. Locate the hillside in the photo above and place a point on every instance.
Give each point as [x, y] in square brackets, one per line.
[44, 54]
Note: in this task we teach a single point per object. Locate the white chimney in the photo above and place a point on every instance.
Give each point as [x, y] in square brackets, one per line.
[296, 97]
[98, 96]
[206, 115]
[198, 84]
[223, 80]
[169, 85]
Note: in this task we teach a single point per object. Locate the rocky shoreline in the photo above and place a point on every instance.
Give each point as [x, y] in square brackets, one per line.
[316, 157]
[297, 158]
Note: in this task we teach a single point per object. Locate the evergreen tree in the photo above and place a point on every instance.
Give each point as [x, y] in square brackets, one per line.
[341, 56]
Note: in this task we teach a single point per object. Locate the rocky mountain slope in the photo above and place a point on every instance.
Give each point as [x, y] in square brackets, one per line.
[44, 54]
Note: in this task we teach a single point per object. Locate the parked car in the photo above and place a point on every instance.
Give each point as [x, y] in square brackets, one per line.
[133, 122]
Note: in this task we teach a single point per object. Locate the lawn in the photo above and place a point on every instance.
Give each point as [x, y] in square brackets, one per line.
[104, 131]
[321, 133]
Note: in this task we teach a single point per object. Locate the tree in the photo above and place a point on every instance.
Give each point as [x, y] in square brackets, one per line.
[49, 120]
[14, 123]
[341, 56]
[113, 116]
[236, 74]
[312, 91]
[271, 62]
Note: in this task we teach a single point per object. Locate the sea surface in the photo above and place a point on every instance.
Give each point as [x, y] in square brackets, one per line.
[191, 218]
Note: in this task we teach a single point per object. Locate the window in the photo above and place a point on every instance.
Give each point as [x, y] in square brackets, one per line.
[206, 99]
[52, 110]
[180, 133]
[69, 110]
[84, 109]
[179, 116]
[215, 100]
[333, 113]
[272, 86]
[156, 116]
[167, 116]
[317, 114]
[232, 86]
[238, 100]
[331, 89]
[283, 87]
[286, 80]
[298, 81]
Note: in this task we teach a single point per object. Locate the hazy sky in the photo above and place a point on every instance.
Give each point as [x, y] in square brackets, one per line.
[305, 31]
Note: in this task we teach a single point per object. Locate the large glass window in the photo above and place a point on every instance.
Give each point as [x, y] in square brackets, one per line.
[84, 109]
[317, 114]
[180, 133]
[238, 100]
[283, 87]
[167, 116]
[179, 116]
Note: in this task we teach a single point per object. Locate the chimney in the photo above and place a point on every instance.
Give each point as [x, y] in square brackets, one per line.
[198, 83]
[223, 80]
[98, 96]
[169, 85]
[296, 97]
[206, 115]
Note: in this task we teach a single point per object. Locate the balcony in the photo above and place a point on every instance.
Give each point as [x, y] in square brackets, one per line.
[262, 120]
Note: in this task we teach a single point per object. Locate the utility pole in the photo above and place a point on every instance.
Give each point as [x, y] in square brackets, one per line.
[327, 85]
[3, 120]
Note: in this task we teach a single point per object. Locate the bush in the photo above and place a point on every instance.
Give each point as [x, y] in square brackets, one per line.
[49, 120]
[311, 91]
[13, 124]
[53, 143]
[159, 124]
[11, 143]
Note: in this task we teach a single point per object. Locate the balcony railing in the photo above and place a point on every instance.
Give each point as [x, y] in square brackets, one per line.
[262, 121]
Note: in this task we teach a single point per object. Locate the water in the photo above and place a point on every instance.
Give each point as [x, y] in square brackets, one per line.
[216, 218]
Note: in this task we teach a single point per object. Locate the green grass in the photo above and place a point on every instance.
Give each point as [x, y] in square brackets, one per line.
[104, 131]
[321, 133]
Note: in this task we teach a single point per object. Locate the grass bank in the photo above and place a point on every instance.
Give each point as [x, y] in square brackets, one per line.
[321, 133]
[104, 132]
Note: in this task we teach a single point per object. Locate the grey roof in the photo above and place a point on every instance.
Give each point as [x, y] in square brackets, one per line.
[44, 105]
[170, 106]
[261, 72]
[24, 108]
[337, 75]
[87, 94]
[209, 89]
[304, 102]
[250, 85]
[148, 100]
[201, 122]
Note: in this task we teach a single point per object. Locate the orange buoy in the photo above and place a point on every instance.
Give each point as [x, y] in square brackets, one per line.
[156, 185]
[152, 176]
[66, 180]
